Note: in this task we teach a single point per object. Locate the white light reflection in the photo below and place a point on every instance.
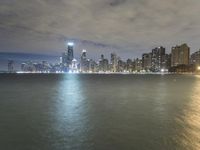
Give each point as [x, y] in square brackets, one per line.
[70, 108]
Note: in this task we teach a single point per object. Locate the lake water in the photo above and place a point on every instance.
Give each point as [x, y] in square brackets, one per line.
[99, 112]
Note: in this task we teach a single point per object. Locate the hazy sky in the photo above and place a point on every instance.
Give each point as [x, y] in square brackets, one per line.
[128, 27]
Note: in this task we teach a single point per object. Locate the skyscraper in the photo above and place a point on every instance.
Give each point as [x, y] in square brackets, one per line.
[129, 65]
[120, 65]
[64, 58]
[74, 66]
[180, 55]
[103, 64]
[64, 64]
[158, 58]
[113, 62]
[137, 65]
[146, 61]
[67, 57]
[83, 64]
[167, 62]
[10, 66]
[70, 52]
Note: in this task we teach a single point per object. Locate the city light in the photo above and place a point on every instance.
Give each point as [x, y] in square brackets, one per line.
[84, 51]
[70, 44]
[162, 70]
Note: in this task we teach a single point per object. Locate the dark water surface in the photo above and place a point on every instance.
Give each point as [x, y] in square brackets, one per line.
[99, 112]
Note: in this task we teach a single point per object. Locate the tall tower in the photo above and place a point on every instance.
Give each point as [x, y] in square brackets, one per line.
[157, 59]
[113, 61]
[83, 63]
[70, 52]
[146, 61]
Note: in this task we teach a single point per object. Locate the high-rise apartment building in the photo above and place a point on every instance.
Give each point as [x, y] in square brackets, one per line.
[146, 61]
[195, 58]
[158, 58]
[180, 55]
[113, 62]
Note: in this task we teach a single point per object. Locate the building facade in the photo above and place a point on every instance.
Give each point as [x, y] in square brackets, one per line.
[146, 61]
[113, 61]
[157, 59]
[180, 55]
[195, 58]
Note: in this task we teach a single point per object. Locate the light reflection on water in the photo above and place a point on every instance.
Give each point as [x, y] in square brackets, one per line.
[71, 117]
[190, 121]
[70, 97]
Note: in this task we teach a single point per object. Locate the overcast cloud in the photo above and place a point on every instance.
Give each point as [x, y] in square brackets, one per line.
[128, 27]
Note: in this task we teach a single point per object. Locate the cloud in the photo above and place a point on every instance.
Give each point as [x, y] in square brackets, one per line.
[128, 27]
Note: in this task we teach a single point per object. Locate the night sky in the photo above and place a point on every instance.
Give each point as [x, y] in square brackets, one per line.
[127, 27]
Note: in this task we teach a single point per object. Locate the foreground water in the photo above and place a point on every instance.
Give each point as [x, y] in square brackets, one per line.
[99, 112]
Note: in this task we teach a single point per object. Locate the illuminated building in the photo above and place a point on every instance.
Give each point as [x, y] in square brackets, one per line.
[74, 66]
[64, 64]
[129, 65]
[70, 52]
[84, 62]
[157, 59]
[103, 64]
[67, 57]
[180, 55]
[138, 64]
[92, 66]
[113, 62]
[167, 62]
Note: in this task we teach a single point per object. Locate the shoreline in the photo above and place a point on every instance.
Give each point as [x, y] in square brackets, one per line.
[97, 73]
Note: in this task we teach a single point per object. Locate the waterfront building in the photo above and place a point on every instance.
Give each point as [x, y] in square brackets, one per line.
[167, 62]
[137, 65]
[113, 61]
[92, 66]
[129, 65]
[67, 57]
[158, 58]
[121, 67]
[103, 64]
[195, 59]
[180, 55]
[84, 61]
[10, 66]
[146, 61]
[74, 66]
[23, 66]
[70, 52]
[64, 64]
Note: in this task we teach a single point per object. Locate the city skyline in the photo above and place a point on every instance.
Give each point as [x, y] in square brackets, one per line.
[124, 26]
[157, 60]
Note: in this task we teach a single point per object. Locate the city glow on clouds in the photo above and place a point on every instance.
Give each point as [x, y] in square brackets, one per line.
[128, 27]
